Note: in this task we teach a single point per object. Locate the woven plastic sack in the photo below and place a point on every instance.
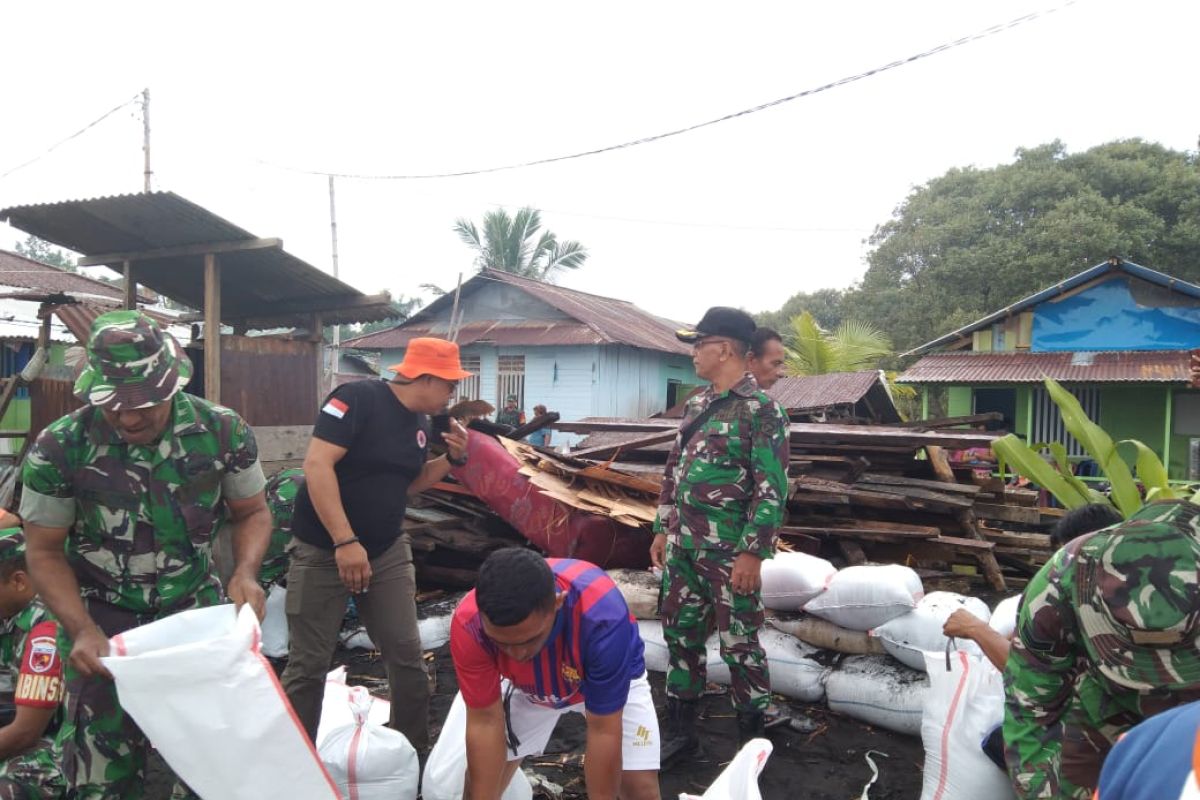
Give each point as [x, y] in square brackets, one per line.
[862, 598]
[878, 691]
[789, 580]
[1004, 617]
[275, 624]
[446, 769]
[909, 637]
[739, 781]
[199, 687]
[367, 760]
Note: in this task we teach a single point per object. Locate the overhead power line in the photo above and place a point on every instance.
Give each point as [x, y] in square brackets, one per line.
[74, 135]
[983, 34]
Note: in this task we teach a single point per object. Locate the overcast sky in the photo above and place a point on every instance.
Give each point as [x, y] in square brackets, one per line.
[742, 213]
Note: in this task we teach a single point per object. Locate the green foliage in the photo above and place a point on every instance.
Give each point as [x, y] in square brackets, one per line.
[404, 307]
[517, 244]
[43, 251]
[1070, 490]
[971, 241]
[853, 347]
[825, 305]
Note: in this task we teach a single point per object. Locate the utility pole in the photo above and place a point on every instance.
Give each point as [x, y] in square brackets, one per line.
[337, 328]
[146, 136]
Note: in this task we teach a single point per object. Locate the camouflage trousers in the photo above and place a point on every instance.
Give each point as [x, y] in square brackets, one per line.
[33, 775]
[103, 750]
[697, 591]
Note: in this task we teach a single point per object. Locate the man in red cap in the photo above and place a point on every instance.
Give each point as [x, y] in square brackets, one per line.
[368, 453]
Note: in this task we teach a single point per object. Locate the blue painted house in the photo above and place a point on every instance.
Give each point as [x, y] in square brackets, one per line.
[1117, 335]
[579, 354]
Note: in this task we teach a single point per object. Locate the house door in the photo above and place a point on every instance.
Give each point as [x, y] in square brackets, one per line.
[510, 380]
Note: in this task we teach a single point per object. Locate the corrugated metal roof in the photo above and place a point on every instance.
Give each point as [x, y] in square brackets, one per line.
[1110, 266]
[25, 273]
[610, 321]
[78, 319]
[257, 285]
[819, 391]
[503, 333]
[1156, 366]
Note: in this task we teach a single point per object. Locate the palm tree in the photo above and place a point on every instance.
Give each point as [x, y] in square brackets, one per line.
[513, 244]
[853, 347]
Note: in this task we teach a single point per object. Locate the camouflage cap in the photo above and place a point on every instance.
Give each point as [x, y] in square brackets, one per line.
[131, 363]
[12, 544]
[1138, 598]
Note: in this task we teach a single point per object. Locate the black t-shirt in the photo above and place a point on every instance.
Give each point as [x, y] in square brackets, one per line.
[386, 447]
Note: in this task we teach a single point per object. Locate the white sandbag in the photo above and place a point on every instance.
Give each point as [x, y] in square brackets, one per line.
[434, 632]
[739, 781]
[789, 580]
[862, 598]
[1004, 617]
[655, 647]
[909, 637]
[878, 691]
[335, 707]
[275, 624]
[794, 671]
[446, 769]
[640, 588]
[367, 760]
[964, 704]
[824, 635]
[198, 686]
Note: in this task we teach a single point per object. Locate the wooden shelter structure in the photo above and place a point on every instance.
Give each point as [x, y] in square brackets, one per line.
[230, 276]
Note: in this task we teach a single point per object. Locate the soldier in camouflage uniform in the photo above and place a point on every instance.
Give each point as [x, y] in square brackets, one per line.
[120, 503]
[281, 499]
[32, 674]
[719, 510]
[1107, 636]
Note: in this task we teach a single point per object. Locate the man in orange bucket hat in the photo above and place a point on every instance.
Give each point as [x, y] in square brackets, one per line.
[369, 452]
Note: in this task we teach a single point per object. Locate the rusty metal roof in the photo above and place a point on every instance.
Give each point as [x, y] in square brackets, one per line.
[819, 391]
[594, 320]
[25, 273]
[78, 317]
[258, 286]
[1154, 366]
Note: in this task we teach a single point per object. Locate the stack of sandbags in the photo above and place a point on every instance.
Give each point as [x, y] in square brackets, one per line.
[909, 637]
[865, 597]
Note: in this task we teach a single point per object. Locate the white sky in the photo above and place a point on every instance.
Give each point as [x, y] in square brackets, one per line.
[431, 87]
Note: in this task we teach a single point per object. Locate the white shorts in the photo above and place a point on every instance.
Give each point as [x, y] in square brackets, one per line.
[533, 724]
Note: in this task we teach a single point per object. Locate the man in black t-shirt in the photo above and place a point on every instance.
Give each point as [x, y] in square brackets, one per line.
[367, 454]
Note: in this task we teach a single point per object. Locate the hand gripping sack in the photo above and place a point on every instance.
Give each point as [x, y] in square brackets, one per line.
[446, 769]
[789, 580]
[739, 781]
[862, 598]
[206, 698]
[367, 760]
[965, 702]
[909, 637]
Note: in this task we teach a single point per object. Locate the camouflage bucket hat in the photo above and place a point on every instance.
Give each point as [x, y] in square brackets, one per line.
[1138, 600]
[131, 363]
[12, 544]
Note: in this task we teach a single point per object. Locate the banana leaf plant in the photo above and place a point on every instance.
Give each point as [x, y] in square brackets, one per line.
[1068, 489]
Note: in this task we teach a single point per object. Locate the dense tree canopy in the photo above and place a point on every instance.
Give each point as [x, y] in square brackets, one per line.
[973, 240]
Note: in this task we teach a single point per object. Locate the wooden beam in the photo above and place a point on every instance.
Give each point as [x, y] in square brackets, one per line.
[987, 559]
[609, 450]
[950, 422]
[212, 328]
[212, 248]
[130, 286]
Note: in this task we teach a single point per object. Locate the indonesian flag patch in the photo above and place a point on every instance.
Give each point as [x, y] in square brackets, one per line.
[336, 408]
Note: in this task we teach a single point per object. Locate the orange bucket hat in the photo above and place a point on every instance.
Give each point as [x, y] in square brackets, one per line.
[436, 357]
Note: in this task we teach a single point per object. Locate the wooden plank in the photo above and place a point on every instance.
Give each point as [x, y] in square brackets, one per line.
[606, 475]
[950, 422]
[918, 483]
[940, 463]
[1036, 541]
[844, 523]
[180, 250]
[282, 442]
[853, 552]
[611, 450]
[875, 534]
[1022, 515]
[991, 568]
[131, 297]
[212, 329]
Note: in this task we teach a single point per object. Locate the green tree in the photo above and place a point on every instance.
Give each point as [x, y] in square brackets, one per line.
[402, 308]
[825, 305]
[43, 251]
[855, 346]
[974, 240]
[517, 244]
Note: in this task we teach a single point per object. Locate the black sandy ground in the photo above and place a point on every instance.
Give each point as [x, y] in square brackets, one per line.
[826, 765]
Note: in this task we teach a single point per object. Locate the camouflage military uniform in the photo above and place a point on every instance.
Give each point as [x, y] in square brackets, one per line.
[281, 499]
[35, 774]
[144, 520]
[723, 494]
[1102, 644]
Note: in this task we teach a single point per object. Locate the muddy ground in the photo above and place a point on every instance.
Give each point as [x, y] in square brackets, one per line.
[827, 765]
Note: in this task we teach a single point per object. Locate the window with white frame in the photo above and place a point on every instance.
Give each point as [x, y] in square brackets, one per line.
[468, 388]
[510, 380]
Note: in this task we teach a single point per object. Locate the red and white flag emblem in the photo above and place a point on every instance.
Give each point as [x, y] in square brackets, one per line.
[336, 408]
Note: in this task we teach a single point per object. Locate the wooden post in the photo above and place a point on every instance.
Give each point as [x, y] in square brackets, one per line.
[1167, 426]
[966, 518]
[130, 287]
[212, 328]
